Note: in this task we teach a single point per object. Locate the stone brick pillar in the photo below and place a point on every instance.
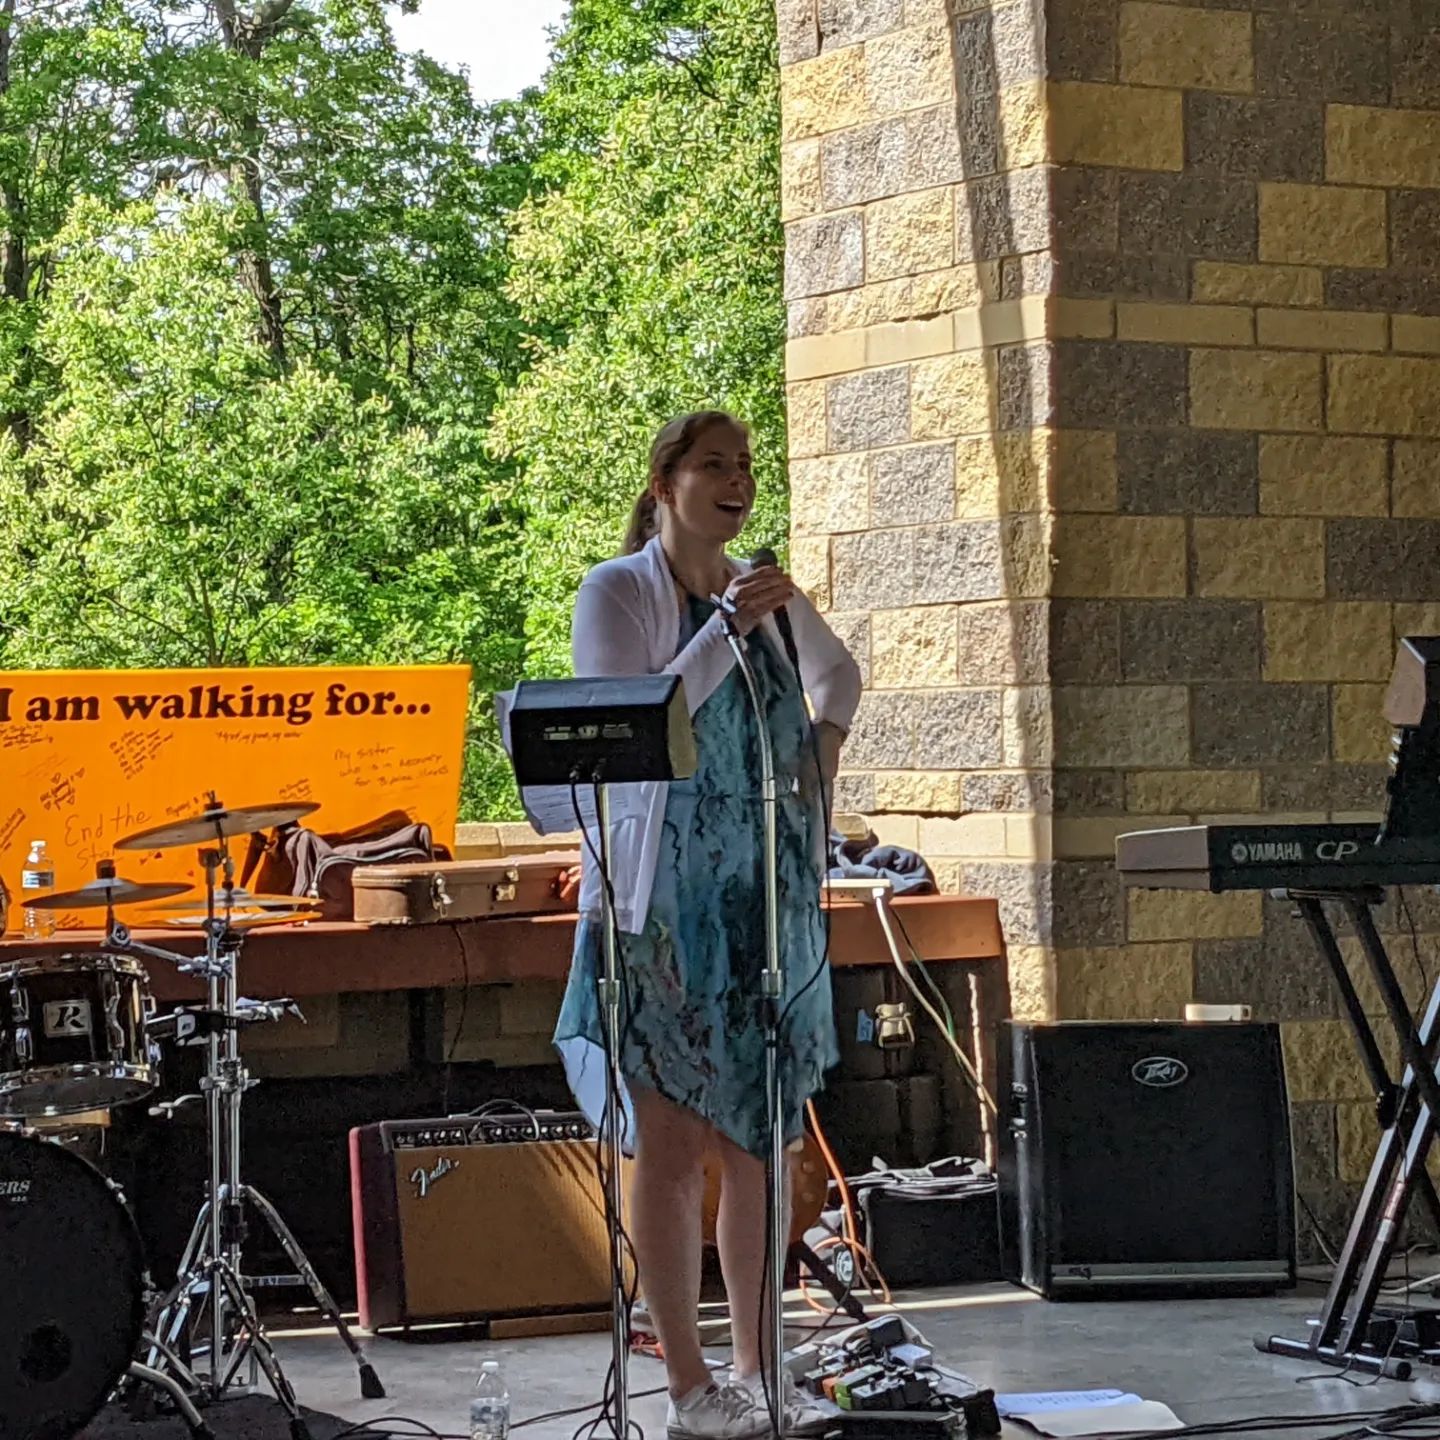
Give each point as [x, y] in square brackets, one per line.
[918, 481]
[1115, 439]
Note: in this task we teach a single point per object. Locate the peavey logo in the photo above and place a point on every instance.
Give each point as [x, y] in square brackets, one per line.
[16, 1191]
[1160, 1072]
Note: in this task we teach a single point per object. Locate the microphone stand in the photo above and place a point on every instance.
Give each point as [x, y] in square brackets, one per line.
[773, 992]
[609, 988]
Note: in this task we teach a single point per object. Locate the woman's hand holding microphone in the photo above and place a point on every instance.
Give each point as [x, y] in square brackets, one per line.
[756, 594]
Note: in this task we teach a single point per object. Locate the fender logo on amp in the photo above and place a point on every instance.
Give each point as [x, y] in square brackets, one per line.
[425, 1180]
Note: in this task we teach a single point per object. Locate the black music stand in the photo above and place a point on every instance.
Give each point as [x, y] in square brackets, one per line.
[597, 733]
[1346, 1333]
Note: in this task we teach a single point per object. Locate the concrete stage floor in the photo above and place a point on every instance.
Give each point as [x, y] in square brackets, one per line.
[1195, 1355]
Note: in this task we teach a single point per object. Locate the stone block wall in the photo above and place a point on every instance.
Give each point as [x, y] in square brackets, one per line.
[1251, 208]
[918, 507]
[1114, 381]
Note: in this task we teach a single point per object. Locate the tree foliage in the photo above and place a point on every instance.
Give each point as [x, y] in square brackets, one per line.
[186, 503]
[649, 272]
[252, 332]
[305, 356]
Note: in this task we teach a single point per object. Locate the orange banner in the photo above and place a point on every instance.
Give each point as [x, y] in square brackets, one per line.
[87, 757]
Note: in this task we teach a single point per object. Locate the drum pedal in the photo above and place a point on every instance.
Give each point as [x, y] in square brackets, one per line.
[273, 1282]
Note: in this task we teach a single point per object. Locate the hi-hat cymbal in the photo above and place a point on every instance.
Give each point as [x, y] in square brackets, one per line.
[99, 893]
[244, 900]
[244, 920]
[216, 823]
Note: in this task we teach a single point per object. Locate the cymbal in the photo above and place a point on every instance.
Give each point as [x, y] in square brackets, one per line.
[244, 920]
[99, 893]
[213, 824]
[244, 900]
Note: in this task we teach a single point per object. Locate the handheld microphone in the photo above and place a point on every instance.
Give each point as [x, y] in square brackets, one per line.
[766, 556]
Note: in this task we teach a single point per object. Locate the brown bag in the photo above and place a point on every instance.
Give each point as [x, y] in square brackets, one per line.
[297, 861]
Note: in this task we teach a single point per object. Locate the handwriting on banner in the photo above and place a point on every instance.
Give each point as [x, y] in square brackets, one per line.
[137, 748]
[24, 737]
[89, 757]
[379, 767]
[61, 791]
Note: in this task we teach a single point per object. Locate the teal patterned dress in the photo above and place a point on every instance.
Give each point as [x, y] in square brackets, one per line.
[691, 1013]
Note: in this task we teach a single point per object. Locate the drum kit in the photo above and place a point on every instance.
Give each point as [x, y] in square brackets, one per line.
[81, 1322]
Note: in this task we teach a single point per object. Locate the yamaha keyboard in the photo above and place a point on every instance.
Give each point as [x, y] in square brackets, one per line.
[1274, 857]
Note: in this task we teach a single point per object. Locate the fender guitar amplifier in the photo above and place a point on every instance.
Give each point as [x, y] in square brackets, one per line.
[478, 1219]
[1150, 1157]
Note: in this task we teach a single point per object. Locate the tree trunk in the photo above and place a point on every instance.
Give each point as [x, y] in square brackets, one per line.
[248, 35]
[13, 283]
[14, 270]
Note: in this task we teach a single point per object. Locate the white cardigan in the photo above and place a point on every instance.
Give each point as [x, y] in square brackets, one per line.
[626, 622]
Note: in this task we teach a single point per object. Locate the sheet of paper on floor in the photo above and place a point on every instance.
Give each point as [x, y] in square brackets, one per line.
[1031, 1403]
[1136, 1417]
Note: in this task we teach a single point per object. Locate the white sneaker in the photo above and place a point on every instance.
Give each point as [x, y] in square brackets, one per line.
[716, 1412]
[800, 1415]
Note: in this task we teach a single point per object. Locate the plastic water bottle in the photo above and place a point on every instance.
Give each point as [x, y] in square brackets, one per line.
[490, 1406]
[37, 879]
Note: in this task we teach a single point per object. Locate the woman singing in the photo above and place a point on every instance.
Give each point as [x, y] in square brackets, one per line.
[689, 892]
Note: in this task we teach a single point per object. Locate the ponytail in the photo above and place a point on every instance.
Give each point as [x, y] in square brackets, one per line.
[643, 524]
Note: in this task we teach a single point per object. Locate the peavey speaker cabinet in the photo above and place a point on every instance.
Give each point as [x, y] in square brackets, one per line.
[1145, 1157]
[479, 1219]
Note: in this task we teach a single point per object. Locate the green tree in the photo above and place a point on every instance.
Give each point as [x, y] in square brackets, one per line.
[79, 113]
[649, 272]
[305, 356]
[322, 489]
[185, 502]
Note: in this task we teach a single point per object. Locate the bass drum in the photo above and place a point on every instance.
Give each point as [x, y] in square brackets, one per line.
[73, 1305]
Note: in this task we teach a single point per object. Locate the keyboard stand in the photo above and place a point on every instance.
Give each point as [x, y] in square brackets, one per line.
[1342, 1335]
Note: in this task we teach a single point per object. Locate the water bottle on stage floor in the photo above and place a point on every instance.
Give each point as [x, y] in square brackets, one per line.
[490, 1406]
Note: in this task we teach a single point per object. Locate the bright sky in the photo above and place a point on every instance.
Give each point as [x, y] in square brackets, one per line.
[502, 43]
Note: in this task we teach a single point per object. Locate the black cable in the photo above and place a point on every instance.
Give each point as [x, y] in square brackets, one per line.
[826, 802]
[1414, 936]
[920, 965]
[613, 1222]
[459, 1024]
[1327, 1245]
[368, 1428]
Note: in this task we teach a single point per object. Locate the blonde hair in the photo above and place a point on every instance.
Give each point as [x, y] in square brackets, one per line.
[667, 450]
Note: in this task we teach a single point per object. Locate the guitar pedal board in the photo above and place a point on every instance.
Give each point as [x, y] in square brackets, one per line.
[883, 1384]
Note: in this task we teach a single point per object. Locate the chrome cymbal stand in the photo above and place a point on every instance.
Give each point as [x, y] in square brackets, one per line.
[209, 1309]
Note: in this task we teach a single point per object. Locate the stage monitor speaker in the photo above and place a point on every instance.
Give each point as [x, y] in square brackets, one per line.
[478, 1219]
[1145, 1157]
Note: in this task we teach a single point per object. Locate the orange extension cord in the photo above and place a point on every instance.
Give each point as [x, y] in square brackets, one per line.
[865, 1265]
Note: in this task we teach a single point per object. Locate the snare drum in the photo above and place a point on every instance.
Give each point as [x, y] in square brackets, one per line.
[72, 1034]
